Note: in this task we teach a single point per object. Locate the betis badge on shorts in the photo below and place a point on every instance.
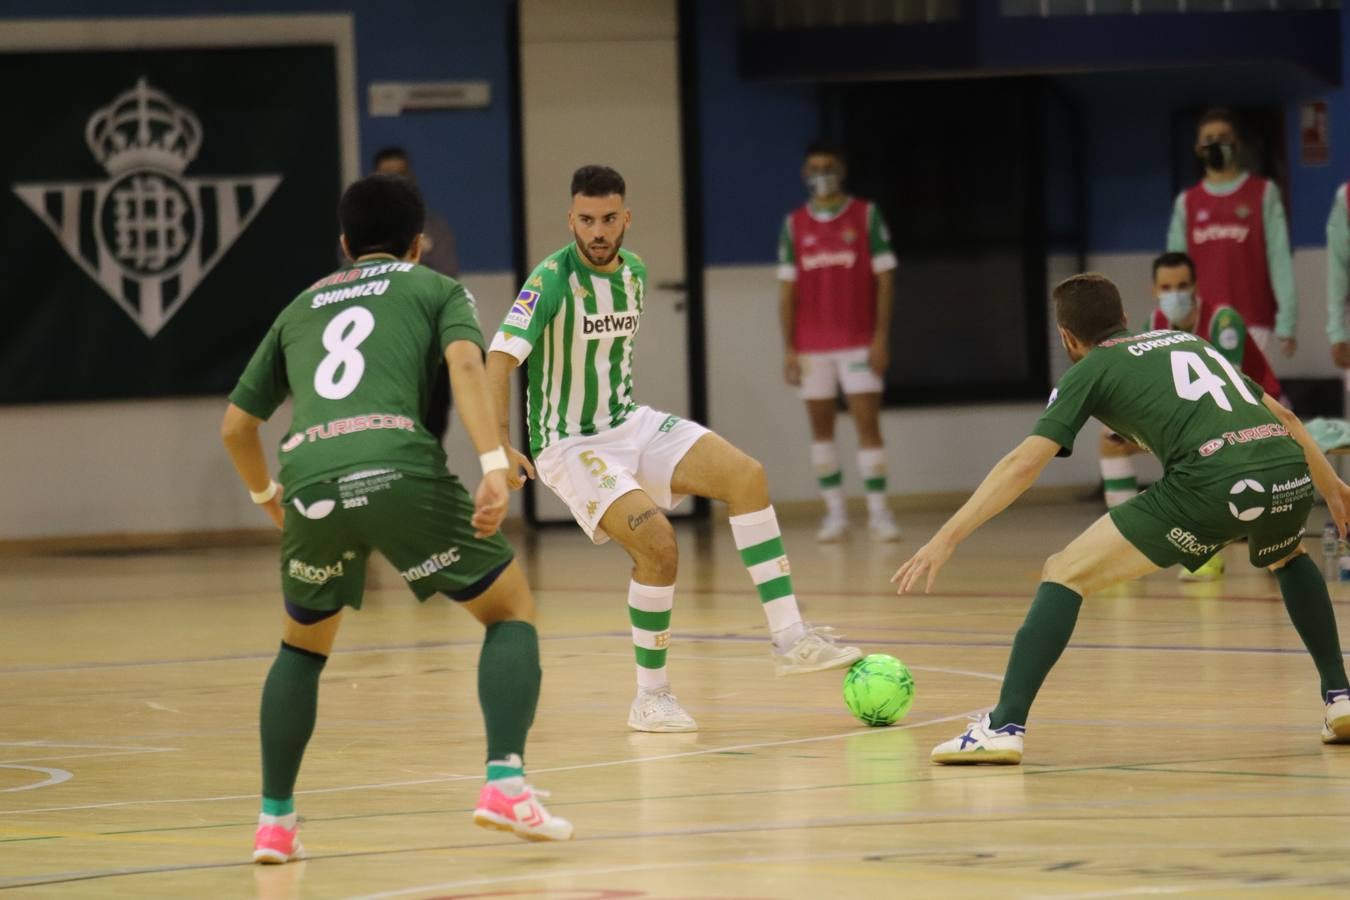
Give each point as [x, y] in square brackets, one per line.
[147, 234]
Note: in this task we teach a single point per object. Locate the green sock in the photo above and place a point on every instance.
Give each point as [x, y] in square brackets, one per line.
[1039, 642]
[290, 701]
[1309, 606]
[508, 686]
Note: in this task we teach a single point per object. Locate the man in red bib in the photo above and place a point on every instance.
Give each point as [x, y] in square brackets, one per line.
[836, 274]
[1180, 308]
[1232, 224]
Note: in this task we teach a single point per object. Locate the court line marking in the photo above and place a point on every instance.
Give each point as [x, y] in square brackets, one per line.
[45, 743]
[54, 776]
[48, 757]
[617, 635]
[454, 778]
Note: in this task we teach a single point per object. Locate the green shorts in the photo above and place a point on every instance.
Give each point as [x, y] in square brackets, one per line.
[1177, 521]
[418, 523]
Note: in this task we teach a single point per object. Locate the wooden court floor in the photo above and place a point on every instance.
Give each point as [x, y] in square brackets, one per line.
[1174, 750]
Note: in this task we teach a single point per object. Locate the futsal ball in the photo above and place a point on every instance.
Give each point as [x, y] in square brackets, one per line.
[878, 689]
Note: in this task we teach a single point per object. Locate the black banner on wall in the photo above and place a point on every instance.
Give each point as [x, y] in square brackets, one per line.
[159, 208]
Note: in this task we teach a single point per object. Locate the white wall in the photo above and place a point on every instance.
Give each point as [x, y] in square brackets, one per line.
[157, 466]
[154, 465]
[937, 449]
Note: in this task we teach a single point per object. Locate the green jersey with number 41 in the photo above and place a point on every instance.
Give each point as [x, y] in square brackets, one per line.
[1177, 396]
[575, 325]
[358, 350]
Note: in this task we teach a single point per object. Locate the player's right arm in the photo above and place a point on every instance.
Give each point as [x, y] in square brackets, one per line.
[1176, 229]
[1325, 479]
[787, 302]
[1338, 278]
[535, 306]
[260, 390]
[1068, 411]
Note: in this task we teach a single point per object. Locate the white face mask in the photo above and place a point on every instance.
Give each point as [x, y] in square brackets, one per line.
[823, 184]
[1176, 305]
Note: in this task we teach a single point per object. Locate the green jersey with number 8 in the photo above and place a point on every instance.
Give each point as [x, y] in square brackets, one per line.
[1174, 394]
[357, 351]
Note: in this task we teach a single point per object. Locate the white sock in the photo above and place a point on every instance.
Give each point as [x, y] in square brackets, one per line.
[825, 462]
[649, 608]
[760, 541]
[287, 821]
[1121, 484]
[872, 467]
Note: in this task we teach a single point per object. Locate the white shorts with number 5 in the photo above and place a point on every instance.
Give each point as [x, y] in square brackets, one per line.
[824, 373]
[590, 472]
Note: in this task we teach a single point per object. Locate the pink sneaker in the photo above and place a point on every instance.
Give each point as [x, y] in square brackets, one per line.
[273, 844]
[524, 815]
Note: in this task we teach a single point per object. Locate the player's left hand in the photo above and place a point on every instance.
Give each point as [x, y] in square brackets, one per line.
[929, 560]
[879, 356]
[274, 511]
[490, 504]
[1288, 346]
[1338, 506]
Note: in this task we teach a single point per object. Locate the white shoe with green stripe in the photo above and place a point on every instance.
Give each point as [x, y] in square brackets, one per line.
[815, 651]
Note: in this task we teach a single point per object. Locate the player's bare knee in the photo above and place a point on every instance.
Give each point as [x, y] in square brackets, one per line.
[656, 555]
[1060, 570]
[752, 484]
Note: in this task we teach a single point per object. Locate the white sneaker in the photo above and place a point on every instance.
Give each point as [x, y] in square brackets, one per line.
[659, 711]
[1336, 722]
[981, 744]
[832, 529]
[814, 651]
[884, 529]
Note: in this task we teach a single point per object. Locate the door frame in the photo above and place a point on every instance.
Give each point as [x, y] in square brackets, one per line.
[691, 177]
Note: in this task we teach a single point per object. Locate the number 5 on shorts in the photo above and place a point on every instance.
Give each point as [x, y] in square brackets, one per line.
[595, 464]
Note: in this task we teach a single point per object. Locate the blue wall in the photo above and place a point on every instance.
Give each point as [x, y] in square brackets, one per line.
[461, 157]
[752, 136]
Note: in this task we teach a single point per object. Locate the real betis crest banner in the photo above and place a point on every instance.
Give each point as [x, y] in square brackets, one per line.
[160, 208]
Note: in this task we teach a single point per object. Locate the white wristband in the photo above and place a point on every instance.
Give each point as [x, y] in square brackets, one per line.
[493, 460]
[266, 494]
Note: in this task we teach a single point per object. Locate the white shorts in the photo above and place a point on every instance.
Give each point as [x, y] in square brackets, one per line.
[824, 373]
[590, 472]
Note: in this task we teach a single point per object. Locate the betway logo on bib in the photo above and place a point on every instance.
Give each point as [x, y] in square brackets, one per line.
[609, 325]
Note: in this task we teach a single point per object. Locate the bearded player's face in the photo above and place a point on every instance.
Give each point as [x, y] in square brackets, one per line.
[598, 225]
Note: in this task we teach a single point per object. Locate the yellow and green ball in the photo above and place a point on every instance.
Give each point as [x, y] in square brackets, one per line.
[879, 689]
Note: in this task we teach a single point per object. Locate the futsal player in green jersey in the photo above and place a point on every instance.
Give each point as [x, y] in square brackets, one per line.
[357, 352]
[1236, 465]
[617, 464]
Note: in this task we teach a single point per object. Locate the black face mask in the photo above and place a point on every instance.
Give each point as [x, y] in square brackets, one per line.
[1216, 156]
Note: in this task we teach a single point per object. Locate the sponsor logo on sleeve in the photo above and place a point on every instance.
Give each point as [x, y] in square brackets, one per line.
[522, 311]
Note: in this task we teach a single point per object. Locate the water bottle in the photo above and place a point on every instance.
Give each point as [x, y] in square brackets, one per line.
[1330, 544]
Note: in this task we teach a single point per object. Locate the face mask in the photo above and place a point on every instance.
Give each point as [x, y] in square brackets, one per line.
[823, 184]
[1216, 156]
[1176, 305]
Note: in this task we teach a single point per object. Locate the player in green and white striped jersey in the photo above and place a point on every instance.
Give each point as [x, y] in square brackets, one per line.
[616, 464]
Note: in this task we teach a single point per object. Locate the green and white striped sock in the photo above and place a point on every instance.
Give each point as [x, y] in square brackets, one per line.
[1121, 484]
[761, 544]
[649, 609]
[872, 467]
[825, 463]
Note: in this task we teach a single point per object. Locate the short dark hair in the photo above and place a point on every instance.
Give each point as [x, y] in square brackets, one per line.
[391, 153]
[1088, 306]
[1174, 258]
[824, 147]
[1218, 114]
[597, 181]
[381, 214]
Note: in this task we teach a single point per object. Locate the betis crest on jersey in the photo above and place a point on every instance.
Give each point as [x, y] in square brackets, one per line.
[147, 234]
